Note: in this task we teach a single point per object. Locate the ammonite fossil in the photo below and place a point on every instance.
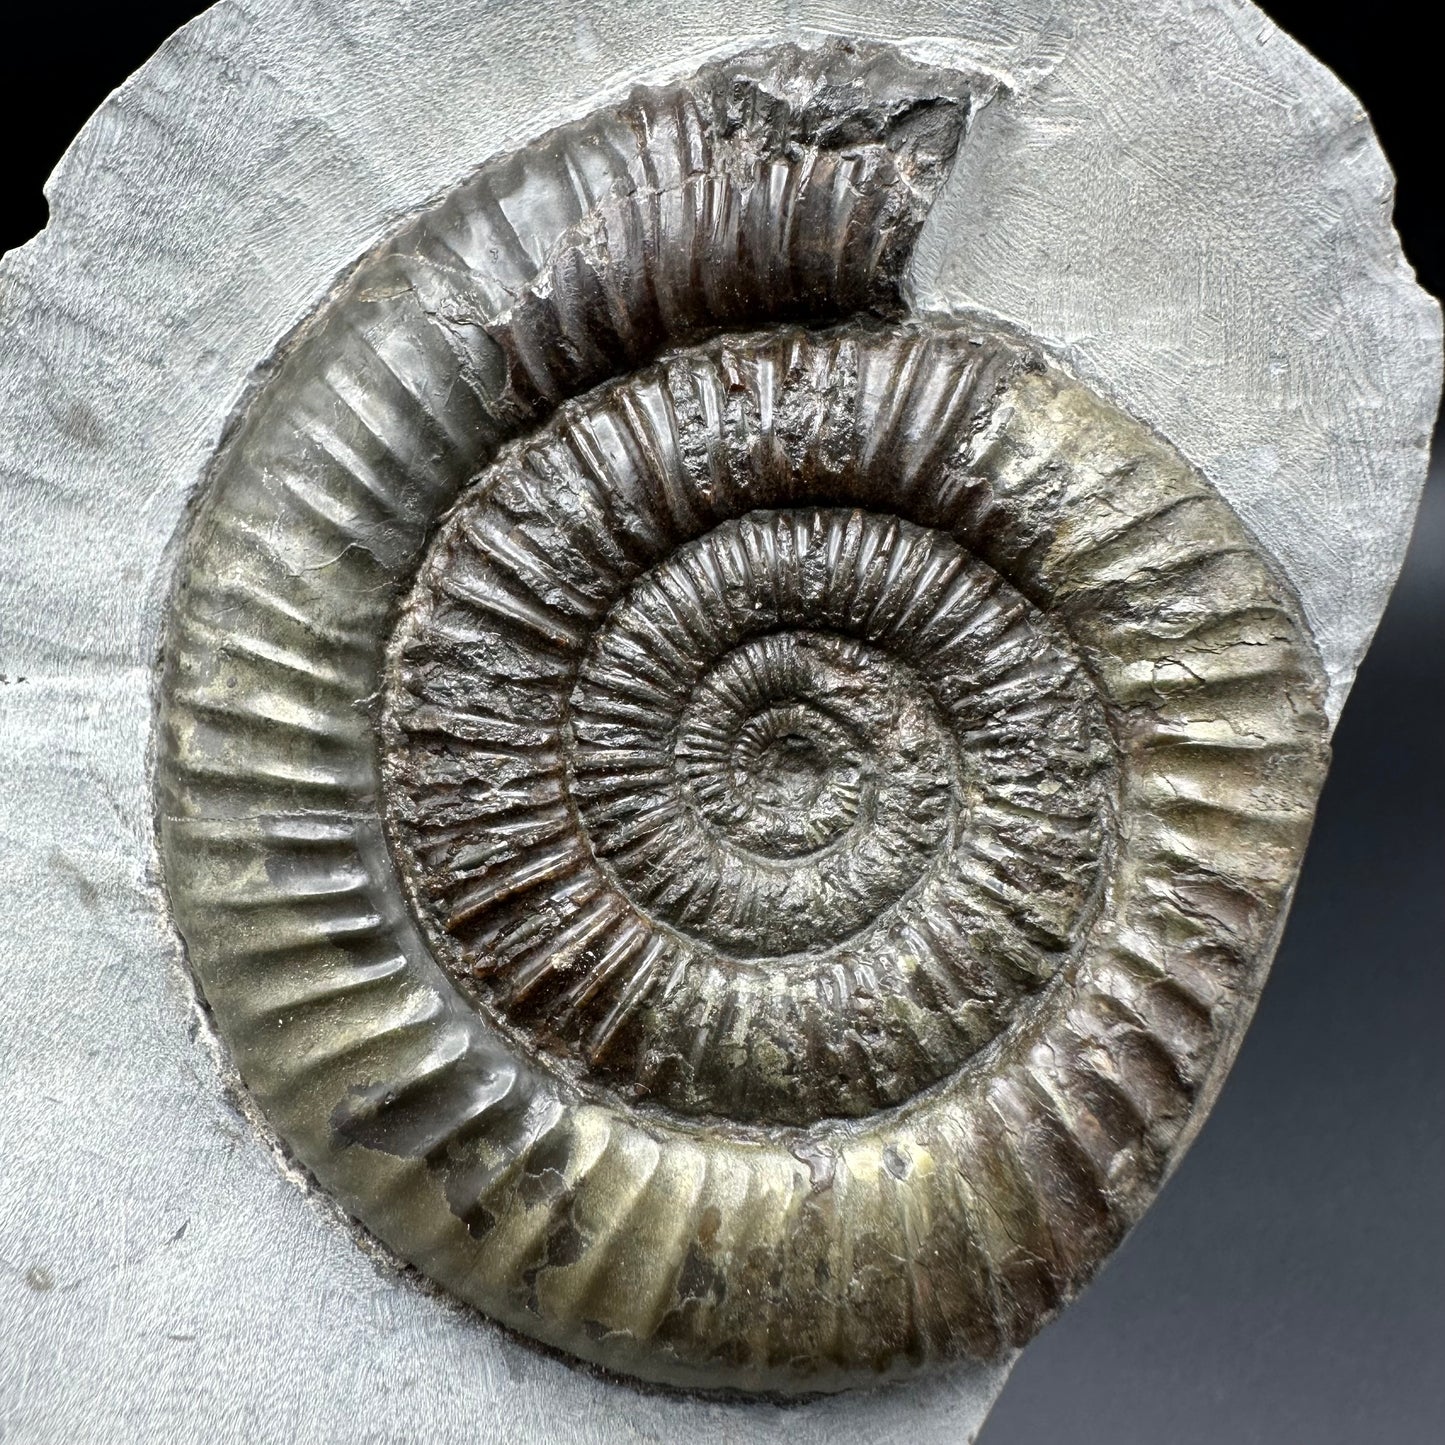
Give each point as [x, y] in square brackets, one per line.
[733, 823]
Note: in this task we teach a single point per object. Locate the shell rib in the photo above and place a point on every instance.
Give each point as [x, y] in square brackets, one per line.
[739, 854]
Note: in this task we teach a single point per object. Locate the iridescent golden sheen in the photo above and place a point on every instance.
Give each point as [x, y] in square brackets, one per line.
[734, 828]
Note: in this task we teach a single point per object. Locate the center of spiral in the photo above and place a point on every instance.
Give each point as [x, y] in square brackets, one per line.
[780, 799]
[779, 762]
[766, 749]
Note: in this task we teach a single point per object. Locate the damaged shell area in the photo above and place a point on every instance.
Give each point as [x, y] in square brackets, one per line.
[733, 827]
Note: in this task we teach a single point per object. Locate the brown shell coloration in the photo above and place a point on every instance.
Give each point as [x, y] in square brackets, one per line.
[734, 828]
[759, 812]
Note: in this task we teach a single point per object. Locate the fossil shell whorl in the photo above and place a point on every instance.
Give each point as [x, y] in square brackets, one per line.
[770, 813]
[738, 856]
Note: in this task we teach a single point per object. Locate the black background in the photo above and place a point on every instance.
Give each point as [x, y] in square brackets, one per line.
[1289, 1287]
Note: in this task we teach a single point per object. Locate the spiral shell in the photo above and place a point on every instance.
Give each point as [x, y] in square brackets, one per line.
[734, 827]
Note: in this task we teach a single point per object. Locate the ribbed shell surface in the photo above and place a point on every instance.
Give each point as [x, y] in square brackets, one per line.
[732, 826]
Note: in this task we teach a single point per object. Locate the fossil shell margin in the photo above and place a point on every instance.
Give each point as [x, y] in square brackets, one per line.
[581, 1192]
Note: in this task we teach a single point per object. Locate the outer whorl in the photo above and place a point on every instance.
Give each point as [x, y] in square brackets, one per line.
[732, 826]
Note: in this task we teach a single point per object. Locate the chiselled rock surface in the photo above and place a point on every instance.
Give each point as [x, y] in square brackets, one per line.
[730, 824]
[1187, 210]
